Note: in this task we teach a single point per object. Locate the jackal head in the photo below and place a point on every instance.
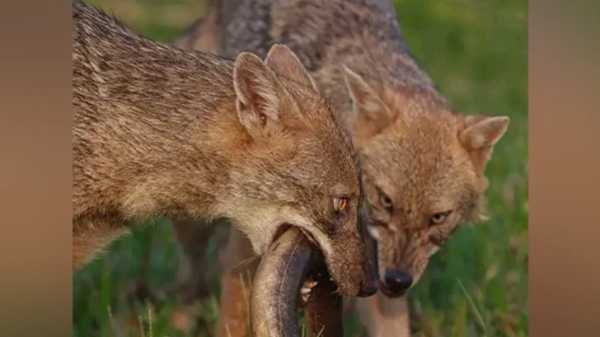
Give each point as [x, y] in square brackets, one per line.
[422, 173]
[297, 168]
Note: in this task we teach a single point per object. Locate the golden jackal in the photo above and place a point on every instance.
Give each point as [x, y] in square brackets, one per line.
[187, 135]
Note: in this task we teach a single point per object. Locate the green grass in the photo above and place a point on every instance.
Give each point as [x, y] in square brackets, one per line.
[476, 52]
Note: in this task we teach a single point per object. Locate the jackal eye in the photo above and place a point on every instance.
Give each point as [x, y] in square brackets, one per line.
[439, 218]
[340, 204]
[386, 202]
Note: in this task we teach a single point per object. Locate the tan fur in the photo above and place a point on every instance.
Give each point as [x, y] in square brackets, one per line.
[439, 177]
[190, 136]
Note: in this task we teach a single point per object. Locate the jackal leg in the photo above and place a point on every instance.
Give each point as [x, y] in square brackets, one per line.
[383, 316]
[240, 264]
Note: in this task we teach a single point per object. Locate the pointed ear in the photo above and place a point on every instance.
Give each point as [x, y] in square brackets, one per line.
[365, 99]
[479, 136]
[259, 93]
[370, 115]
[285, 63]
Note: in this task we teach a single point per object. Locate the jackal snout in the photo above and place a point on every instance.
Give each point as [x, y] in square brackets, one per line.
[396, 282]
[354, 268]
[370, 283]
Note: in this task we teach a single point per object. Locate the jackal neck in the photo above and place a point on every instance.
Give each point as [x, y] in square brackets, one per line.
[155, 128]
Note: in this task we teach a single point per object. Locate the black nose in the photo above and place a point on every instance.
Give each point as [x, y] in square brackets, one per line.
[397, 281]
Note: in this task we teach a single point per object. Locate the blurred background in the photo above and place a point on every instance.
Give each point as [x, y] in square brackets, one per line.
[476, 52]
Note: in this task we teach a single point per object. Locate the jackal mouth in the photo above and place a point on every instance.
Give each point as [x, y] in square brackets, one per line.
[319, 269]
[392, 294]
[285, 226]
[284, 276]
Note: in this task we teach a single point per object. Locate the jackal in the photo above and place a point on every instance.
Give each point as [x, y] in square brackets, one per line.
[187, 135]
[422, 163]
